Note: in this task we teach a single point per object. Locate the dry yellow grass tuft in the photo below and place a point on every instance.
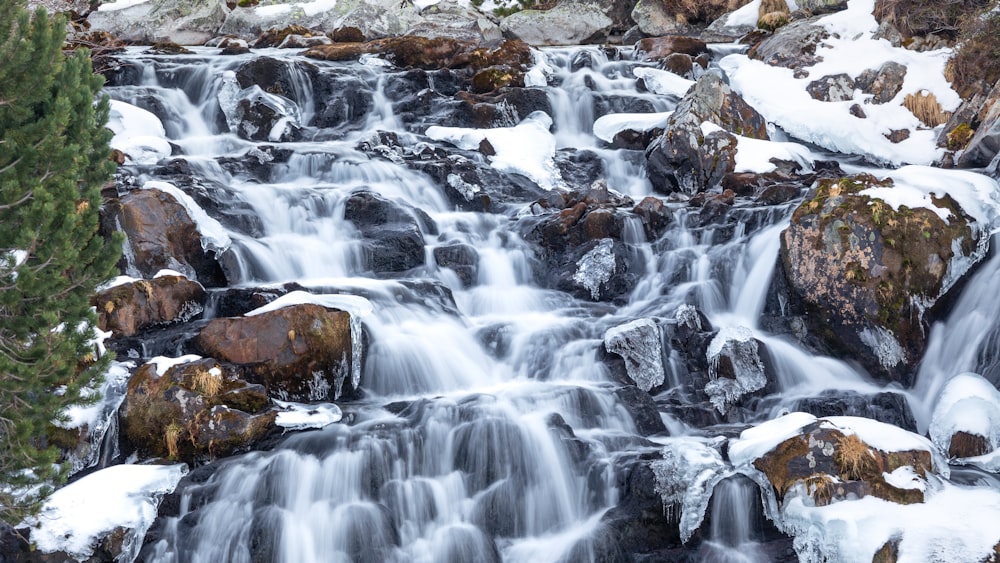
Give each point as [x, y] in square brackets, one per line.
[854, 458]
[926, 108]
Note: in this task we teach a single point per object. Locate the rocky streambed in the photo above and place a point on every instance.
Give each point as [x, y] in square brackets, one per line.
[441, 298]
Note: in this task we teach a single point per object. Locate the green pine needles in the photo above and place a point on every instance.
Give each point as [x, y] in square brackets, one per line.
[53, 163]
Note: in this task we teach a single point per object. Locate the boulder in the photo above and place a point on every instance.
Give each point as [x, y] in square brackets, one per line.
[412, 51]
[815, 7]
[887, 406]
[194, 411]
[882, 83]
[373, 18]
[300, 353]
[452, 20]
[966, 419]
[129, 308]
[578, 239]
[677, 17]
[984, 144]
[461, 259]
[834, 464]
[690, 158]
[869, 271]
[833, 88]
[659, 48]
[568, 23]
[393, 242]
[160, 235]
[639, 344]
[791, 46]
[186, 22]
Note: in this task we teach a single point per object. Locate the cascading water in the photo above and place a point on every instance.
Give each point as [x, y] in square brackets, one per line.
[487, 430]
[736, 523]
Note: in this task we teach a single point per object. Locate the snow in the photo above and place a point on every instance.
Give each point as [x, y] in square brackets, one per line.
[75, 517]
[308, 8]
[353, 304]
[527, 148]
[115, 5]
[976, 194]
[754, 155]
[607, 126]
[757, 441]
[662, 82]
[968, 403]
[166, 272]
[163, 363]
[138, 134]
[298, 416]
[115, 282]
[905, 478]
[214, 236]
[953, 524]
[830, 124]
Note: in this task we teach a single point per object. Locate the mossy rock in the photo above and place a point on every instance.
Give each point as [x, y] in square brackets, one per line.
[867, 272]
[195, 411]
[834, 466]
[274, 37]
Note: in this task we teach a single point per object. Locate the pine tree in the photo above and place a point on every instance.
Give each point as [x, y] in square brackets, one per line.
[53, 163]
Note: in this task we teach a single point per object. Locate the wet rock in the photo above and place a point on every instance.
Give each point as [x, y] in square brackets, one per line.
[984, 145]
[884, 83]
[578, 235]
[869, 271]
[274, 37]
[266, 117]
[194, 411]
[568, 23]
[966, 417]
[393, 242]
[888, 407]
[690, 158]
[835, 464]
[300, 353]
[644, 411]
[833, 88]
[432, 54]
[639, 344]
[129, 308]
[461, 259]
[234, 47]
[655, 216]
[659, 48]
[638, 522]
[791, 46]
[343, 100]
[160, 235]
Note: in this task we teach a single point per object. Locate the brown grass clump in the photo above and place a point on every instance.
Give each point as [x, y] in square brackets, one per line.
[772, 21]
[207, 383]
[975, 67]
[172, 437]
[943, 18]
[771, 6]
[700, 11]
[927, 109]
[854, 458]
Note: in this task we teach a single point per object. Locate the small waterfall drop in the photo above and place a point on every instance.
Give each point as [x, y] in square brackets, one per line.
[737, 523]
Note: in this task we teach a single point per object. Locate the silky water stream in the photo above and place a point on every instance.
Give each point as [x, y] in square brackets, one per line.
[488, 429]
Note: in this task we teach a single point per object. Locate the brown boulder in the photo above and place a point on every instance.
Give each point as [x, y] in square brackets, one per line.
[834, 465]
[194, 411]
[160, 235]
[659, 48]
[300, 353]
[129, 308]
[868, 272]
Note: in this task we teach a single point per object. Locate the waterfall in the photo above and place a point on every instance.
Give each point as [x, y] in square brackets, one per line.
[493, 425]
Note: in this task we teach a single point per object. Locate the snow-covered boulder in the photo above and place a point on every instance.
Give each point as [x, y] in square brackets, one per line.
[639, 344]
[128, 308]
[873, 255]
[186, 22]
[568, 23]
[966, 419]
[375, 18]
